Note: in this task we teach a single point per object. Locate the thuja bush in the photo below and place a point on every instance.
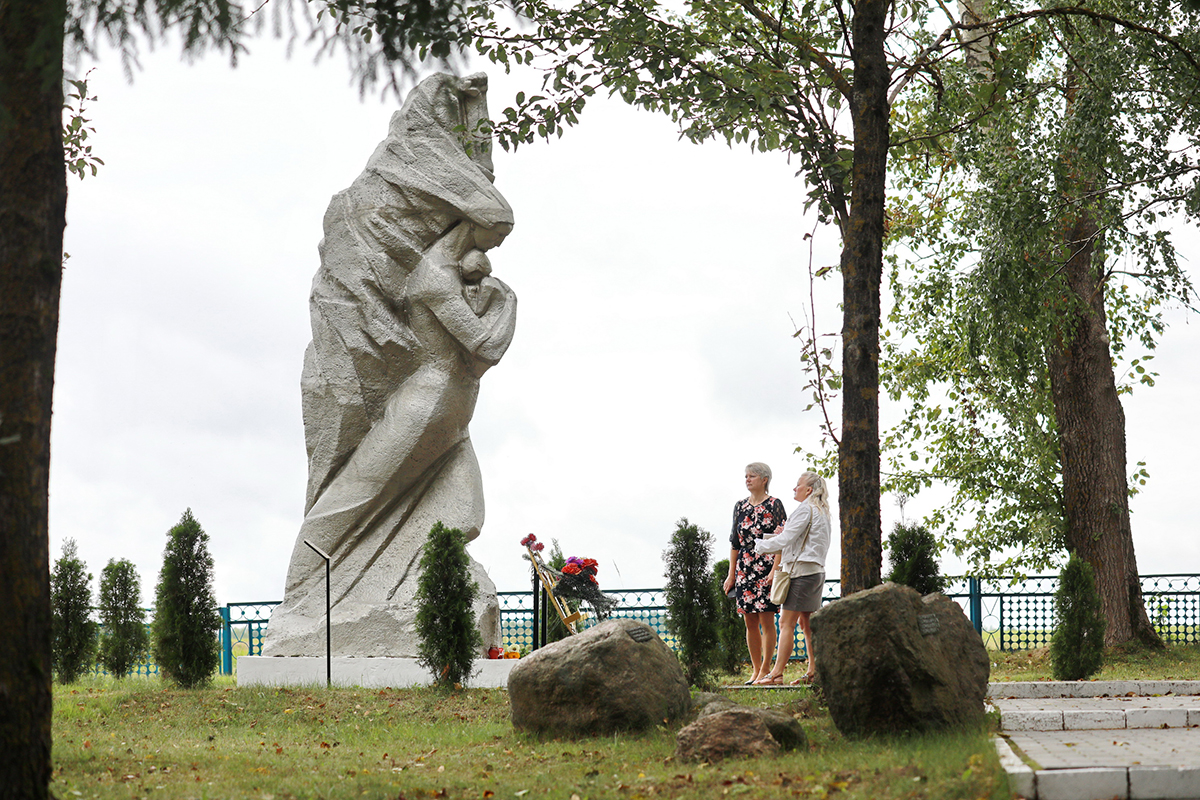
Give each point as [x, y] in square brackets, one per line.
[913, 552]
[1077, 647]
[186, 620]
[449, 637]
[691, 601]
[73, 633]
[731, 631]
[123, 641]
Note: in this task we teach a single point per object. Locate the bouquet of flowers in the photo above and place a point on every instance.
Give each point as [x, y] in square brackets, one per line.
[578, 582]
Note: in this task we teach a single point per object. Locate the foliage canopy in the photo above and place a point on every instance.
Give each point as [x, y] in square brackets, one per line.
[1088, 115]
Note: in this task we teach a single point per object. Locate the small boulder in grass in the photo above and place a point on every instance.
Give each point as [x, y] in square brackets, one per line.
[725, 729]
[616, 676]
[732, 733]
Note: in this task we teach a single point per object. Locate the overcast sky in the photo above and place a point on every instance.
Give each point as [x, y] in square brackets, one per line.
[659, 284]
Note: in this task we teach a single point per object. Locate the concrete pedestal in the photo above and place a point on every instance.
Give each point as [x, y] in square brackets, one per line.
[372, 673]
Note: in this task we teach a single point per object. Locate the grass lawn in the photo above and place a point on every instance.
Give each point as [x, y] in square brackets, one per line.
[139, 738]
[1177, 662]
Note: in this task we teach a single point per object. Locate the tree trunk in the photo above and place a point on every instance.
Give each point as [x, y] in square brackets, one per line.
[1091, 429]
[1087, 409]
[862, 268]
[33, 201]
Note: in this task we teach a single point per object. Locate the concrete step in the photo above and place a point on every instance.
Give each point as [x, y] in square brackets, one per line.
[1096, 740]
[1098, 713]
[1028, 689]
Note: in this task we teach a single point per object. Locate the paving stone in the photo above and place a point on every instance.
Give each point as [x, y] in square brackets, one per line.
[1161, 747]
[1156, 718]
[1088, 720]
[1031, 720]
[1163, 783]
[1080, 760]
[1096, 783]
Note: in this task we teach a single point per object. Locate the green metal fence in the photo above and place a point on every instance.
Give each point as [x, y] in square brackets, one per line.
[1009, 614]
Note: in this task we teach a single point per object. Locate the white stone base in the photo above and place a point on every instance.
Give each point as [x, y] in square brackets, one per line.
[372, 673]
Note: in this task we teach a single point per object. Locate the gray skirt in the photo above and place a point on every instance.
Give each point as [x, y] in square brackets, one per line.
[804, 593]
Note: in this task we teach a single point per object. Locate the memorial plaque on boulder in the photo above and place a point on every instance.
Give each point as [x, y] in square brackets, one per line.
[616, 676]
[889, 660]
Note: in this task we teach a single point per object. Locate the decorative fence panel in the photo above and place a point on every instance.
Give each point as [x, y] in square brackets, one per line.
[250, 621]
[1009, 615]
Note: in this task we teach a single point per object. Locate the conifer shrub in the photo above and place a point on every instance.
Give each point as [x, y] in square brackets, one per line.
[691, 601]
[913, 553]
[72, 630]
[450, 640]
[186, 620]
[123, 638]
[731, 631]
[1077, 647]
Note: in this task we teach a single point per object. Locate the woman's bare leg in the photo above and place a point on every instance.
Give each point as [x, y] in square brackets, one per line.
[768, 645]
[754, 644]
[808, 648]
[787, 632]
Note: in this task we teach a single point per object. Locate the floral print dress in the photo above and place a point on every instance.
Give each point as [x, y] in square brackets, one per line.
[752, 584]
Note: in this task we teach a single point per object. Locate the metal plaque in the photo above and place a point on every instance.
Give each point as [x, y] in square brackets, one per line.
[641, 634]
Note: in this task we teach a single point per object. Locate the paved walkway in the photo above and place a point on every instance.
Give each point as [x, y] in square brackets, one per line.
[1133, 740]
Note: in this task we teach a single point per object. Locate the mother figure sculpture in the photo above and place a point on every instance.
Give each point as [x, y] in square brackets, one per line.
[406, 317]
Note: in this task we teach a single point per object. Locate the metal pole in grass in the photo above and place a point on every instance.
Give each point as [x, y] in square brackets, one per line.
[328, 637]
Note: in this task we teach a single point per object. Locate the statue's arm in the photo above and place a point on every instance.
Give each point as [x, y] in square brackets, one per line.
[500, 319]
[488, 337]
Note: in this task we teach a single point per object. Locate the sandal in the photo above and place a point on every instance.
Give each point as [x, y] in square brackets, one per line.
[770, 680]
[806, 679]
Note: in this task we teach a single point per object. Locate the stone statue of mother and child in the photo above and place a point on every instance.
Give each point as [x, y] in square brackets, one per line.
[406, 317]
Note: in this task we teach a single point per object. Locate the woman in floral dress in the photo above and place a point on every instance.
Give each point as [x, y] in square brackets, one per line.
[749, 576]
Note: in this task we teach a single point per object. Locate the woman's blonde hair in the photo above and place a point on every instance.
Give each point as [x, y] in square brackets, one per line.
[761, 470]
[820, 492]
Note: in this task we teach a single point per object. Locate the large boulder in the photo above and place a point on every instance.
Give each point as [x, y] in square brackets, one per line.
[889, 660]
[617, 676]
[732, 733]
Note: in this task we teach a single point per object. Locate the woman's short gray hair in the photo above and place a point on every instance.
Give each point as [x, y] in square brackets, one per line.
[761, 470]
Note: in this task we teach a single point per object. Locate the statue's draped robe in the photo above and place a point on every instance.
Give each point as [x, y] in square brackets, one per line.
[386, 407]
